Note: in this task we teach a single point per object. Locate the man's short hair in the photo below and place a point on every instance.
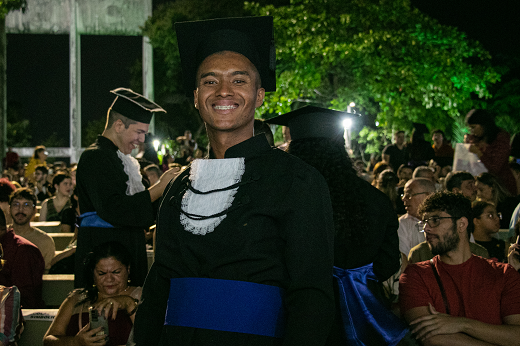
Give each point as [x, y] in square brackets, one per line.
[455, 204]
[113, 116]
[23, 193]
[418, 172]
[154, 168]
[455, 179]
[425, 184]
[42, 168]
[477, 208]
[439, 131]
[398, 132]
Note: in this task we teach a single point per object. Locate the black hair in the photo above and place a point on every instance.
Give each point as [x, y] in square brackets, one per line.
[499, 192]
[6, 189]
[38, 150]
[60, 177]
[331, 159]
[455, 179]
[455, 204]
[487, 121]
[105, 250]
[477, 208]
[42, 168]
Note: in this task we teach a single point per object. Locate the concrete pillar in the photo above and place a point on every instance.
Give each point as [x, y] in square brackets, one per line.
[75, 83]
[148, 88]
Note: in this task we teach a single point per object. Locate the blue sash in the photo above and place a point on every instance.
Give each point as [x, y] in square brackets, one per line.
[365, 319]
[91, 219]
[226, 305]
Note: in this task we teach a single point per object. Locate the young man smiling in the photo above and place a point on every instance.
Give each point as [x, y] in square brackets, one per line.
[245, 238]
[458, 298]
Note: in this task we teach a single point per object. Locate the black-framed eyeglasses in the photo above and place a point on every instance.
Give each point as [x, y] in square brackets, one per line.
[409, 196]
[433, 221]
[493, 215]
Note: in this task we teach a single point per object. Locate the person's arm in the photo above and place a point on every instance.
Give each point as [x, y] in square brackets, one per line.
[43, 211]
[157, 190]
[63, 254]
[513, 256]
[434, 328]
[496, 155]
[48, 252]
[56, 334]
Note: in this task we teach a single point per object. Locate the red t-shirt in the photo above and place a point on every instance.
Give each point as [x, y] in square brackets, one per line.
[479, 289]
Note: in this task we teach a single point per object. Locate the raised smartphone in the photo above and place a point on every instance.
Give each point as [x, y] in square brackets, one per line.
[97, 320]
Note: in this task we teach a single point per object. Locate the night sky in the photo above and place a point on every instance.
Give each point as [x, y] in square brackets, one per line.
[38, 67]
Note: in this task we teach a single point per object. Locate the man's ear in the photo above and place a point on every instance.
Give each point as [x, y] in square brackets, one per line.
[118, 126]
[260, 95]
[462, 224]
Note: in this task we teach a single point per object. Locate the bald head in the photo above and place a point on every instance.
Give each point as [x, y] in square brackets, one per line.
[415, 191]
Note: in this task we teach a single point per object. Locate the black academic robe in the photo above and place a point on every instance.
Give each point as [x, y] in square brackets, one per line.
[101, 184]
[280, 235]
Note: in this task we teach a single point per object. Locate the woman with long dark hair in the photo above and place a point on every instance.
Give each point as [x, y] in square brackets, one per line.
[366, 245]
[492, 146]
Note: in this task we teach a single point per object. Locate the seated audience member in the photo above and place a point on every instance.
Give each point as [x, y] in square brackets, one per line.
[52, 208]
[378, 168]
[486, 223]
[10, 310]
[396, 154]
[153, 173]
[422, 252]
[490, 190]
[23, 267]
[38, 158]
[39, 184]
[458, 298]
[462, 182]
[22, 209]
[63, 261]
[387, 183]
[404, 173]
[107, 290]
[6, 189]
[415, 191]
[442, 147]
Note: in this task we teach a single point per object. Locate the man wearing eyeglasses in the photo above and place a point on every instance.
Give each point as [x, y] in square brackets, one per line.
[22, 207]
[415, 191]
[458, 298]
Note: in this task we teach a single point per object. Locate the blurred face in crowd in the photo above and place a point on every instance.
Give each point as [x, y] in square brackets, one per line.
[39, 176]
[405, 173]
[22, 211]
[399, 138]
[488, 221]
[468, 189]
[437, 139]
[65, 187]
[484, 192]
[413, 196]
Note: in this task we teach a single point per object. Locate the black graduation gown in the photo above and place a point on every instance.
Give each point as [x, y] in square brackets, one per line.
[281, 235]
[101, 183]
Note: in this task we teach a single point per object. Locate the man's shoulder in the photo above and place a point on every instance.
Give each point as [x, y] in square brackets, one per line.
[42, 235]
[389, 147]
[23, 244]
[408, 221]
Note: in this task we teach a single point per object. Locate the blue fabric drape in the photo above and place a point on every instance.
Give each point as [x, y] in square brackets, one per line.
[91, 219]
[366, 320]
[227, 305]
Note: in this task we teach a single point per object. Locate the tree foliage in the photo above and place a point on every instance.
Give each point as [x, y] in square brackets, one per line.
[10, 5]
[388, 58]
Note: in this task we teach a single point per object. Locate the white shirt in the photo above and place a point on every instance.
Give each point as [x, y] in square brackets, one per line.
[408, 232]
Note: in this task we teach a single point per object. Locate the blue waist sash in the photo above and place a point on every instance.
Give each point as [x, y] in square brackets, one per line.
[226, 305]
[91, 219]
[365, 319]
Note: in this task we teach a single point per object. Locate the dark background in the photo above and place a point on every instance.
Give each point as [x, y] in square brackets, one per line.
[38, 65]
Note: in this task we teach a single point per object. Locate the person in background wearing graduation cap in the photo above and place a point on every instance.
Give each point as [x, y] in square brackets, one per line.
[114, 204]
[366, 245]
[244, 239]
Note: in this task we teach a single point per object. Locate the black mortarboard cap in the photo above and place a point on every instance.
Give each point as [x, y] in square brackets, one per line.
[311, 121]
[134, 106]
[250, 36]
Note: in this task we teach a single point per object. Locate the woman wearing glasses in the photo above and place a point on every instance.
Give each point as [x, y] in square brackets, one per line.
[486, 221]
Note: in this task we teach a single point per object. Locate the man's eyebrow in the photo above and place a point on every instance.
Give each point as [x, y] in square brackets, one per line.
[240, 73]
[207, 74]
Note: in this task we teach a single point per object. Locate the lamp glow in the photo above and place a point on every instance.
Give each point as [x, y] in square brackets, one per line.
[347, 123]
[156, 144]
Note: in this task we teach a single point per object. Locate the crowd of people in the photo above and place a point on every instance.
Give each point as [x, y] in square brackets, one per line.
[255, 245]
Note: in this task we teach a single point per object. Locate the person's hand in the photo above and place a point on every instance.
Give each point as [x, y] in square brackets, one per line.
[427, 326]
[110, 306]
[87, 337]
[170, 174]
[513, 256]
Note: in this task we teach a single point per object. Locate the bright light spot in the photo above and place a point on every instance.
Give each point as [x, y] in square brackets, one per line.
[352, 104]
[156, 144]
[347, 123]
[377, 123]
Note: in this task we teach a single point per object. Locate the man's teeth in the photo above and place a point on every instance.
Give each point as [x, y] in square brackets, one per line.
[224, 107]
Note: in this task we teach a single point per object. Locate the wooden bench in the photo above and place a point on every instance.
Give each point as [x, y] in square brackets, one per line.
[37, 322]
[48, 226]
[56, 287]
[61, 240]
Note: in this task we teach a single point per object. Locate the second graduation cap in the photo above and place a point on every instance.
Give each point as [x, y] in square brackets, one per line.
[311, 121]
[250, 36]
[134, 106]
